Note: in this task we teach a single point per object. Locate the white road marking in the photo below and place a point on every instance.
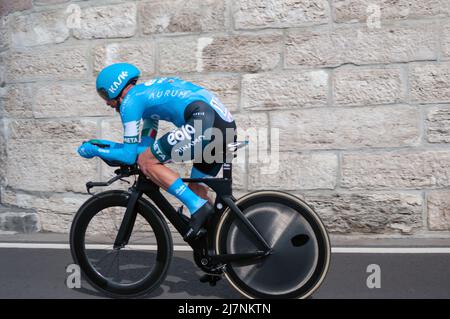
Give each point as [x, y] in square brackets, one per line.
[391, 250]
[336, 250]
[93, 246]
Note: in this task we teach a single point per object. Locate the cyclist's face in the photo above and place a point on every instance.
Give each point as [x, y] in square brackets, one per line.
[115, 103]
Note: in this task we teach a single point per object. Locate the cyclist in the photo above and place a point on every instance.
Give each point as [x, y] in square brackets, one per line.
[199, 117]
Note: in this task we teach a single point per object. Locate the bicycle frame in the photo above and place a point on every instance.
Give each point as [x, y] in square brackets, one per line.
[224, 199]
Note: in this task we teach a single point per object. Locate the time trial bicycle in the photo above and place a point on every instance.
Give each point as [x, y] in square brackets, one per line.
[268, 244]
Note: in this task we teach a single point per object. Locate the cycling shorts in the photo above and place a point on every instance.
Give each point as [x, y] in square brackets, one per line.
[203, 139]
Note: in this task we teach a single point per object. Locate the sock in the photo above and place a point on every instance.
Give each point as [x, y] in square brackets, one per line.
[181, 191]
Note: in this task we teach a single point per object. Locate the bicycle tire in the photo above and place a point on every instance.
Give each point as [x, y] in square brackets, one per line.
[116, 198]
[227, 232]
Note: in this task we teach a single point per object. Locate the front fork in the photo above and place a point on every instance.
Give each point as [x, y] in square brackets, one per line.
[126, 227]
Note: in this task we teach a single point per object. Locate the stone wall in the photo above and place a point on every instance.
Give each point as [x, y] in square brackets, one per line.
[359, 90]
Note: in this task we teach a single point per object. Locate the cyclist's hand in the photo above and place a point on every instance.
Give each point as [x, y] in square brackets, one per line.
[104, 143]
[87, 150]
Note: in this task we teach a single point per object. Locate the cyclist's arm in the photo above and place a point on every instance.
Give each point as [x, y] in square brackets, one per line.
[131, 115]
[126, 152]
[143, 145]
[148, 136]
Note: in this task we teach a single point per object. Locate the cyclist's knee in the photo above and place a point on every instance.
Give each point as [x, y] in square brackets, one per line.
[147, 161]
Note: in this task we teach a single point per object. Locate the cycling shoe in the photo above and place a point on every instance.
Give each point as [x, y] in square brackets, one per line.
[198, 219]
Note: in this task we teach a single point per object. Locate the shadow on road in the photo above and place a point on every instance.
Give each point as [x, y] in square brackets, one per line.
[89, 291]
[182, 281]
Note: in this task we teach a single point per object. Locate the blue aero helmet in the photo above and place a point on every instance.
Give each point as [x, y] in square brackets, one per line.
[114, 78]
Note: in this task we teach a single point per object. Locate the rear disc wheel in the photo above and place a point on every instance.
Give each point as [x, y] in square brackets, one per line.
[300, 246]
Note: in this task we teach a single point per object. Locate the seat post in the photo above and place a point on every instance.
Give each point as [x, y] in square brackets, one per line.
[230, 155]
[227, 170]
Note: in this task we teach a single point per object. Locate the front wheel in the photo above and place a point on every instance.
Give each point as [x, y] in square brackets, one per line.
[300, 246]
[130, 271]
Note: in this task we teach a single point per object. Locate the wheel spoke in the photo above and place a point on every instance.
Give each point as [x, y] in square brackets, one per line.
[112, 264]
[119, 271]
[106, 255]
[138, 239]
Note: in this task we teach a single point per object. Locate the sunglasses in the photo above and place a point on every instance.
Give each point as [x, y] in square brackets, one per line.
[102, 92]
[104, 95]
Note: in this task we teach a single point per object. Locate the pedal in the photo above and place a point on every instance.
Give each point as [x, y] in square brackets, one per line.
[211, 279]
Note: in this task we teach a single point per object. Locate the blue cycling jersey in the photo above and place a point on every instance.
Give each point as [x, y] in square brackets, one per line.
[158, 99]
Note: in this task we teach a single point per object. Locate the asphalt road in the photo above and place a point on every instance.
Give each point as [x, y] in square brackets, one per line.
[41, 273]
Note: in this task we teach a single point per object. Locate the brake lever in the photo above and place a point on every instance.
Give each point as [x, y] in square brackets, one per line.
[90, 185]
[121, 173]
[124, 180]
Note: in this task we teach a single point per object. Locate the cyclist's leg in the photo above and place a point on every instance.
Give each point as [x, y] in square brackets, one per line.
[190, 141]
[178, 145]
[209, 168]
[184, 144]
[154, 169]
[198, 170]
[152, 165]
